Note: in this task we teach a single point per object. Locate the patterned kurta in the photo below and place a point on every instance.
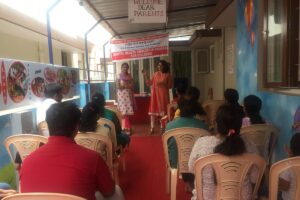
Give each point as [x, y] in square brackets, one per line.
[161, 83]
[125, 97]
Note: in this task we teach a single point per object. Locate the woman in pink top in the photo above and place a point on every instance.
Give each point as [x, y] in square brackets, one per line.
[125, 96]
[161, 82]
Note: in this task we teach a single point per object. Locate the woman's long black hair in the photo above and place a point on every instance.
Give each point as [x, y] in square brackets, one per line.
[90, 116]
[229, 123]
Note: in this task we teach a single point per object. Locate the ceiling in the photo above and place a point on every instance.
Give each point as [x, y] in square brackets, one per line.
[183, 17]
[226, 18]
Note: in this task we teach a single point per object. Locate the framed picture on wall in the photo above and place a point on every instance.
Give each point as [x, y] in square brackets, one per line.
[202, 61]
[212, 58]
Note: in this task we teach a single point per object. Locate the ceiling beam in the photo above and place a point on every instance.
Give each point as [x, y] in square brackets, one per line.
[169, 11]
[162, 29]
[101, 17]
[220, 7]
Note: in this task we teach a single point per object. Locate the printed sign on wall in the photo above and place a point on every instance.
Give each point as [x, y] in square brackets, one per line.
[138, 48]
[147, 11]
[23, 83]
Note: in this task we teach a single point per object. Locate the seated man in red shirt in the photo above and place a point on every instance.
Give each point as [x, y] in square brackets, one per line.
[61, 165]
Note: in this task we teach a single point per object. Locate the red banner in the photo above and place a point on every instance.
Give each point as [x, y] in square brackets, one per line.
[137, 48]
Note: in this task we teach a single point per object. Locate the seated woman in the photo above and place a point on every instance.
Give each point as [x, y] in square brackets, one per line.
[88, 123]
[192, 94]
[227, 142]
[188, 109]
[90, 116]
[177, 96]
[231, 97]
[252, 106]
[99, 101]
[288, 180]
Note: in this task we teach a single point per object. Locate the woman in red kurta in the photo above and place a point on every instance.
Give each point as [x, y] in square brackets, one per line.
[161, 82]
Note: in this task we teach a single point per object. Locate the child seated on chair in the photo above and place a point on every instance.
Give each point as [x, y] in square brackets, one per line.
[287, 180]
[177, 96]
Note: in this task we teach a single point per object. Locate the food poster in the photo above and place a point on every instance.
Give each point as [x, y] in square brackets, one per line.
[23, 83]
[14, 84]
[68, 78]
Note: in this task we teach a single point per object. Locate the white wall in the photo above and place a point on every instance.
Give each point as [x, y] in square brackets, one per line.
[224, 75]
[230, 56]
[24, 38]
[18, 48]
[214, 80]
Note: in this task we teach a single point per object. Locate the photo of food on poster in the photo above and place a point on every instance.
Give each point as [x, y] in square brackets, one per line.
[23, 83]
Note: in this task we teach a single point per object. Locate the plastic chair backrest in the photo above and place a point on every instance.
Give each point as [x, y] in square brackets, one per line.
[116, 111]
[113, 134]
[230, 173]
[24, 144]
[211, 107]
[263, 136]
[279, 167]
[171, 106]
[99, 143]
[44, 196]
[185, 138]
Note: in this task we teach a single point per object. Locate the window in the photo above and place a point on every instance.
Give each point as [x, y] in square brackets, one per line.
[281, 43]
[110, 72]
[64, 58]
[136, 67]
[202, 61]
[146, 66]
[212, 58]
[135, 72]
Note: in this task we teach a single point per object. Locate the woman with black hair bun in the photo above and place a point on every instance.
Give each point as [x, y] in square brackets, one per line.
[231, 97]
[252, 106]
[89, 118]
[227, 142]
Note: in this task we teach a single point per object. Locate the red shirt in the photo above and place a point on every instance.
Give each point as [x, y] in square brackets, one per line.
[63, 166]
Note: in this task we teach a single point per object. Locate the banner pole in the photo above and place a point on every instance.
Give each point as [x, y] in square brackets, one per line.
[87, 59]
[49, 31]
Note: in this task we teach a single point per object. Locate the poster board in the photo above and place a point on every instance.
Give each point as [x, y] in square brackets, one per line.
[23, 83]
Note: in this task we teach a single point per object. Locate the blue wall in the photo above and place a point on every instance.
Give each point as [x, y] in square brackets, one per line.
[278, 109]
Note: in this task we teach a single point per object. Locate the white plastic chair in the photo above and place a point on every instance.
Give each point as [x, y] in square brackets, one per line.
[230, 173]
[185, 138]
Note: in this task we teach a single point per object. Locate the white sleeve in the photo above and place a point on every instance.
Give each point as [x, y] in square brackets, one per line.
[286, 175]
[40, 114]
[201, 148]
